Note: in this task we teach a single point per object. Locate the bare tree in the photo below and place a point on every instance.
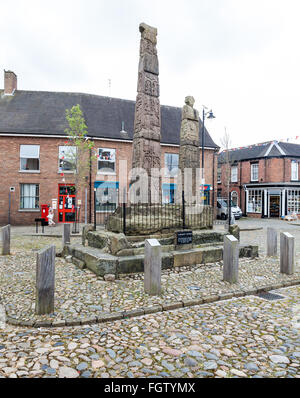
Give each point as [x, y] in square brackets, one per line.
[227, 161]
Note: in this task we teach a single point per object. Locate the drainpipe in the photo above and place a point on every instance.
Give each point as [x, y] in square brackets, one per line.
[90, 190]
[241, 186]
[213, 192]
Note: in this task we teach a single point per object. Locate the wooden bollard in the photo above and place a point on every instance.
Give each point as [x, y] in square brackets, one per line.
[45, 280]
[152, 267]
[5, 233]
[287, 253]
[230, 259]
[66, 235]
[271, 242]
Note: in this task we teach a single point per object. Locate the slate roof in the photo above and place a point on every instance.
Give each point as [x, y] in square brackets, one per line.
[259, 151]
[42, 112]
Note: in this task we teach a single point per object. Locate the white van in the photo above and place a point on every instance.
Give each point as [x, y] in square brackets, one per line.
[222, 205]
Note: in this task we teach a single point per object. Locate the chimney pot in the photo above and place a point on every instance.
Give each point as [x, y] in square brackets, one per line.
[10, 82]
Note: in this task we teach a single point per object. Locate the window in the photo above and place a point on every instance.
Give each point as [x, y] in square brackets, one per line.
[254, 201]
[171, 164]
[234, 198]
[29, 198]
[254, 172]
[219, 175]
[67, 158]
[29, 157]
[206, 196]
[294, 171]
[293, 201]
[168, 193]
[234, 174]
[106, 195]
[107, 161]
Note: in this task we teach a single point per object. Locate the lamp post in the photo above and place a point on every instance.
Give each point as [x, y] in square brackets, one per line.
[208, 115]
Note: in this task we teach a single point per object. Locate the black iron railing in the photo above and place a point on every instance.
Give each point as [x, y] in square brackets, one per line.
[145, 218]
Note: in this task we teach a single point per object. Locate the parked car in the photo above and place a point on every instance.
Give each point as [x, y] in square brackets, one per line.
[222, 205]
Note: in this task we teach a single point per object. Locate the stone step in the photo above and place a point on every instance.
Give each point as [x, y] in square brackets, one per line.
[199, 238]
[102, 263]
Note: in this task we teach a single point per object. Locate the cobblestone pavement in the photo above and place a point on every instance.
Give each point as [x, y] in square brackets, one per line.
[255, 231]
[244, 337]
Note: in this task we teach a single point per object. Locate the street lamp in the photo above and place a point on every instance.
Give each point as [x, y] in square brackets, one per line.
[208, 115]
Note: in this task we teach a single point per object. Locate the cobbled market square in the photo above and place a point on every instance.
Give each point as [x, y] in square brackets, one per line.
[137, 240]
[238, 337]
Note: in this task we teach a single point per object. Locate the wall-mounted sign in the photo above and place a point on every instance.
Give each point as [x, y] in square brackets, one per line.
[54, 204]
[79, 202]
[12, 189]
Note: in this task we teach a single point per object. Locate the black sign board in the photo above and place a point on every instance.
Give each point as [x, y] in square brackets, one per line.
[184, 237]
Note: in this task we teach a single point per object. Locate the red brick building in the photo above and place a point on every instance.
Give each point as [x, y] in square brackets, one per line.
[35, 162]
[263, 178]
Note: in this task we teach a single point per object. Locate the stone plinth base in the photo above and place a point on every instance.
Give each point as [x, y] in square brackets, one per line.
[143, 219]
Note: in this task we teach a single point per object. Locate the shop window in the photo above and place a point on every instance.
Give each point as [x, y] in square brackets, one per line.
[168, 193]
[29, 196]
[254, 201]
[293, 201]
[29, 157]
[106, 195]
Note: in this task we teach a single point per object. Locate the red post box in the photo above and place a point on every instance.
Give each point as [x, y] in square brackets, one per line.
[45, 212]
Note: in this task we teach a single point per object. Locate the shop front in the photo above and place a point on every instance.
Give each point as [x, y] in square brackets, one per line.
[269, 201]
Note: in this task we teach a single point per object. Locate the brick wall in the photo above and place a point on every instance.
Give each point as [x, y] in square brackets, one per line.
[49, 177]
[272, 170]
[10, 82]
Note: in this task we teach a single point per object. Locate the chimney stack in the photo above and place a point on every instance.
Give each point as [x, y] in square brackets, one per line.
[10, 82]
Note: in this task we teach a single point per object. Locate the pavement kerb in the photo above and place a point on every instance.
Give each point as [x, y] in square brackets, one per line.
[114, 316]
[251, 229]
[52, 235]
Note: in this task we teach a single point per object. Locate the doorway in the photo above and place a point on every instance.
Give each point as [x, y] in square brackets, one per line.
[66, 203]
[275, 206]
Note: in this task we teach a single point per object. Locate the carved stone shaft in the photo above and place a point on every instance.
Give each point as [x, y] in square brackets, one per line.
[146, 153]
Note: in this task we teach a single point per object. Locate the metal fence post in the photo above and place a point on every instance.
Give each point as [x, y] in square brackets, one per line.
[183, 211]
[124, 211]
[95, 221]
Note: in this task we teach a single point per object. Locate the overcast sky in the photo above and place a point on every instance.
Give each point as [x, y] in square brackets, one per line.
[239, 57]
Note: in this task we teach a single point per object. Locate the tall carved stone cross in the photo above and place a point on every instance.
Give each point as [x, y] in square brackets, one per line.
[147, 123]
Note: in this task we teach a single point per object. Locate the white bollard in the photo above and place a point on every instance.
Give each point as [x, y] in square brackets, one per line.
[5, 232]
[287, 253]
[45, 280]
[152, 267]
[66, 235]
[271, 242]
[230, 259]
